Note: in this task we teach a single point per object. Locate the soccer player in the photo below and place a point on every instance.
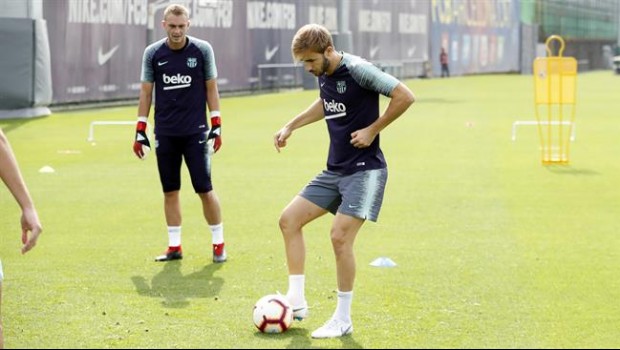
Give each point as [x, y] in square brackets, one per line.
[183, 73]
[31, 226]
[353, 184]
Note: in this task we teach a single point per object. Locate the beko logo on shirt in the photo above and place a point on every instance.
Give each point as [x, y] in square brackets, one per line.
[179, 81]
[334, 109]
[334, 106]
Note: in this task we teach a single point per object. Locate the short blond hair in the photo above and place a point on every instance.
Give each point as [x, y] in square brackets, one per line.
[313, 37]
[177, 10]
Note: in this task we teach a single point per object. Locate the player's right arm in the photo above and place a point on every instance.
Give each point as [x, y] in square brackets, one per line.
[147, 77]
[141, 139]
[146, 98]
[12, 177]
[312, 114]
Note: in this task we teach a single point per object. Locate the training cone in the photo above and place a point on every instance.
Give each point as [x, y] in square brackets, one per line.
[47, 169]
[383, 262]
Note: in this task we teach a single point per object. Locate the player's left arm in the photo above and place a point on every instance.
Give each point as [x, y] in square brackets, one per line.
[213, 95]
[213, 102]
[401, 98]
[12, 178]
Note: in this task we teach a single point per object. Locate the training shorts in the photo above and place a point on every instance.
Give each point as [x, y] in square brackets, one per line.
[172, 150]
[359, 194]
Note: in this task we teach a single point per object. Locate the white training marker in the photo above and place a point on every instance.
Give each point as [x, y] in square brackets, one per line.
[47, 170]
[383, 262]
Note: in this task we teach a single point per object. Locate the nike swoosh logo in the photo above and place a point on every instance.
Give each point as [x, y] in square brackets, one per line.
[373, 51]
[102, 58]
[162, 63]
[201, 142]
[270, 53]
[323, 83]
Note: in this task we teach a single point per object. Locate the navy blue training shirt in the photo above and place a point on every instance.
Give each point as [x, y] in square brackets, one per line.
[180, 91]
[351, 102]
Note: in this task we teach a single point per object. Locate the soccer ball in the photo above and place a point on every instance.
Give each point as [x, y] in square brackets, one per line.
[273, 314]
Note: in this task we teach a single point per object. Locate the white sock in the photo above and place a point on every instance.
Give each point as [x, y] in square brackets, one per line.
[217, 233]
[296, 286]
[174, 236]
[343, 307]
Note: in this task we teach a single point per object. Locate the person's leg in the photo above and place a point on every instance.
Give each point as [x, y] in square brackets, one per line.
[172, 208]
[172, 212]
[169, 159]
[344, 231]
[198, 163]
[211, 208]
[294, 217]
[212, 212]
[1, 330]
[362, 197]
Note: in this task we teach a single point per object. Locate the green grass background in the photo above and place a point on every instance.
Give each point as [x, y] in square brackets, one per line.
[494, 250]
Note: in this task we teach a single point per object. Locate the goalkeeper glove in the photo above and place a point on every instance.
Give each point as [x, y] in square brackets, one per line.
[141, 145]
[216, 132]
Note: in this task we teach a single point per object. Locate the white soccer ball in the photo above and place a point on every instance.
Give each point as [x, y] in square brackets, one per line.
[273, 314]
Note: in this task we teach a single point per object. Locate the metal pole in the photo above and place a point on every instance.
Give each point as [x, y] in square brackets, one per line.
[618, 24]
[343, 40]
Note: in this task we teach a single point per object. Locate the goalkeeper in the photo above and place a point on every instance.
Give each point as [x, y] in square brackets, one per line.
[182, 71]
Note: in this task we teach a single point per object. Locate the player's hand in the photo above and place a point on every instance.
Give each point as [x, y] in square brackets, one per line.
[362, 138]
[31, 229]
[215, 133]
[279, 139]
[141, 144]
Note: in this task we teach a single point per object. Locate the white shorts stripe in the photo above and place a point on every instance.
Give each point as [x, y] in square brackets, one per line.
[371, 185]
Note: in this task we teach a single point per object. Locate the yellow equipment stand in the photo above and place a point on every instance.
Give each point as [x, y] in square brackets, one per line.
[555, 85]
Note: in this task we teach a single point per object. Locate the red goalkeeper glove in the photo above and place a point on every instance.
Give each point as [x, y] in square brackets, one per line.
[141, 144]
[216, 132]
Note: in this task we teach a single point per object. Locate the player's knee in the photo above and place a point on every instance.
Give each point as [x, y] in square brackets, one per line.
[288, 223]
[339, 239]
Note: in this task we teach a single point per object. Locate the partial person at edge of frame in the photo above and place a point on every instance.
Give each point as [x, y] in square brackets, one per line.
[31, 226]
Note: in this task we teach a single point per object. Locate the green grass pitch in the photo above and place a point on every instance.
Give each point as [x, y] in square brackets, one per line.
[494, 250]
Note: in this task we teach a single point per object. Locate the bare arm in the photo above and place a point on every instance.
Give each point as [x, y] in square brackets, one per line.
[401, 99]
[146, 98]
[11, 175]
[213, 95]
[310, 115]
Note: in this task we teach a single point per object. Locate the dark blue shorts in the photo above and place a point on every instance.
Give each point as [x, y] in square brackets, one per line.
[172, 150]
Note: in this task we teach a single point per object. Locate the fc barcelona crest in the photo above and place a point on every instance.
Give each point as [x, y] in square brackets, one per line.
[341, 87]
[192, 62]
